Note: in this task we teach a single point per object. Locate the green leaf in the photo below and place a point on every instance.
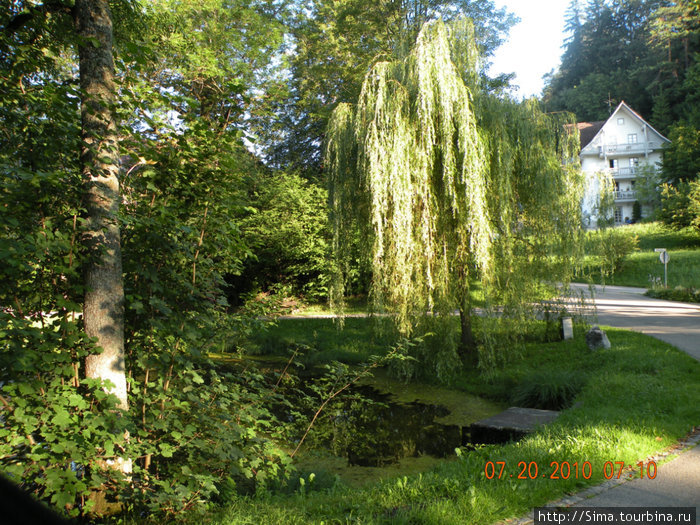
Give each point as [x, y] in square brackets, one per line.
[166, 450]
[62, 418]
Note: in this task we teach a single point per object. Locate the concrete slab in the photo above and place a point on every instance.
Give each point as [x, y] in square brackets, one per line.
[513, 423]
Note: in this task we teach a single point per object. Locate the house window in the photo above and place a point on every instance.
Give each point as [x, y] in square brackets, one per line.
[632, 138]
[634, 162]
[621, 122]
[618, 215]
[612, 163]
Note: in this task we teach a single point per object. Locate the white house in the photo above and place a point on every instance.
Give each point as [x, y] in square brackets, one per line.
[615, 150]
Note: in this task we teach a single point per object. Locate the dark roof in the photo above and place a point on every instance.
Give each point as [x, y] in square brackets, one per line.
[588, 130]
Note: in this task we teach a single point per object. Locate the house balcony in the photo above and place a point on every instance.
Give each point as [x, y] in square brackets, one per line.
[625, 196]
[624, 173]
[633, 148]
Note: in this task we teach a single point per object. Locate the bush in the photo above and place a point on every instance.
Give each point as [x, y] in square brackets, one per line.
[611, 246]
[193, 433]
[679, 293]
[288, 234]
[58, 431]
[636, 211]
[675, 205]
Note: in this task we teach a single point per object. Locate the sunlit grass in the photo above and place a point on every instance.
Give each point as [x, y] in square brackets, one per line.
[322, 340]
[644, 269]
[657, 235]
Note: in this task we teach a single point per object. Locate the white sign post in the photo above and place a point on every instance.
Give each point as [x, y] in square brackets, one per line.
[664, 258]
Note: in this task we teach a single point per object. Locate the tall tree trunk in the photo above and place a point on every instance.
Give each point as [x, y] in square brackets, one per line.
[103, 308]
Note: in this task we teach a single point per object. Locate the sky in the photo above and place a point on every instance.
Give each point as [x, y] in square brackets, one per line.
[534, 46]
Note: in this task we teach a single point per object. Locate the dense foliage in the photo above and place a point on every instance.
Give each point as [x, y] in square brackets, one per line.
[286, 228]
[640, 51]
[193, 432]
[335, 43]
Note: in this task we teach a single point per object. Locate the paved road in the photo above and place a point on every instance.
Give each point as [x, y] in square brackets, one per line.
[678, 482]
[623, 307]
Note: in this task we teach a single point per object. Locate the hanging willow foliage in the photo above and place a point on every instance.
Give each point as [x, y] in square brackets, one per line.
[448, 186]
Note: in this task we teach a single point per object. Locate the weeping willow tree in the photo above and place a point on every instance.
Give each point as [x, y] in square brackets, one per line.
[451, 188]
[605, 207]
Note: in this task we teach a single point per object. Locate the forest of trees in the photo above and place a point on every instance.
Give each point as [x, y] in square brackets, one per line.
[163, 182]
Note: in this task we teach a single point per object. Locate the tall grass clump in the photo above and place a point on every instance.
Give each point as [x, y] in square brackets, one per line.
[548, 390]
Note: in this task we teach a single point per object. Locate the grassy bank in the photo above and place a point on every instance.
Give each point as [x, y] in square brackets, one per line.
[632, 400]
[643, 268]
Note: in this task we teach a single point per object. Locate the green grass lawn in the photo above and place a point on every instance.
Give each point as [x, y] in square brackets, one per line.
[321, 340]
[643, 268]
[657, 235]
[637, 398]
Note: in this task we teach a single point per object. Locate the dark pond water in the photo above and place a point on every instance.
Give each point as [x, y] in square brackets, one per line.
[368, 429]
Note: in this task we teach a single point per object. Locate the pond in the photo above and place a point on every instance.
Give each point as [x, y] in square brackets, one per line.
[384, 427]
[369, 429]
[380, 427]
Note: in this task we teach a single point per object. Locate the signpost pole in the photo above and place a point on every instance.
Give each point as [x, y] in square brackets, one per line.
[664, 257]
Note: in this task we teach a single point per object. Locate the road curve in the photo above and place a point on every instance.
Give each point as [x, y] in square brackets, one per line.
[672, 322]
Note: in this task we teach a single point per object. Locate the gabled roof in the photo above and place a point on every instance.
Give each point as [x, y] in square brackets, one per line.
[588, 130]
[591, 129]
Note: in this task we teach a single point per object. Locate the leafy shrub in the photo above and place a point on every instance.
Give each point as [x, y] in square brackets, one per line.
[679, 293]
[636, 211]
[200, 431]
[58, 431]
[548, 390]
[676, 205]
[201, 437]
[681, 204]
[287, 230]
[611, 246]
[193, 433]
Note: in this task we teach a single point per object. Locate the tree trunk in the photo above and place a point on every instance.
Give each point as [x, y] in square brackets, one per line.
[467, 343]
[103, 308]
